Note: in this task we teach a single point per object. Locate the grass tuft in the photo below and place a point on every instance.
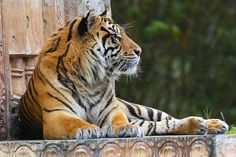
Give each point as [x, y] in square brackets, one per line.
[232, 130]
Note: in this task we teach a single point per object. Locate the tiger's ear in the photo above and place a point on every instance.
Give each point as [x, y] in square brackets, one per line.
[88, 23]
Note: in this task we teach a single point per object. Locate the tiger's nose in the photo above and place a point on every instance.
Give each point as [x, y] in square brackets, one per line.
[138, 51]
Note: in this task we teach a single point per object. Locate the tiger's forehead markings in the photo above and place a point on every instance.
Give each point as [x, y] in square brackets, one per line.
[107, 20]
[104, 29]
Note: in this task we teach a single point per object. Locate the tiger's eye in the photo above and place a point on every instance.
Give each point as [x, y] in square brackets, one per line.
[117, 37]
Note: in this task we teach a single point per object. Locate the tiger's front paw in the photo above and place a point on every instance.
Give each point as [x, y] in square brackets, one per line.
[88, 133]
[124, 130]
[194, 125]
[217, 126]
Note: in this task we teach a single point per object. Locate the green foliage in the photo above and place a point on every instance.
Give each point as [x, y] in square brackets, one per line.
[232, 130]
[189, 55]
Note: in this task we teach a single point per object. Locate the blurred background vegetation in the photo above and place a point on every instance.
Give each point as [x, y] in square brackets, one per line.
[189, 56]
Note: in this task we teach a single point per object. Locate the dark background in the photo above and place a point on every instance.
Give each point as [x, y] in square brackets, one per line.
[189, 56]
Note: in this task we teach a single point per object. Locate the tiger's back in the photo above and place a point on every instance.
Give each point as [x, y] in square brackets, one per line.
[44, 83]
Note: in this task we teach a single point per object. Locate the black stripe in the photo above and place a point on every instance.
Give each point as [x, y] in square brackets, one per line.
[53, 35]
[150, 113]
[154, 128]
[141, 124]
[96, 58]
[150, 126]
[169, 117]
[78, 100]
[107, 104]
[134, 122]
[54, 48]
[64, 103]
[167, 123]
[122, 66]
[113, 41]
[131, 109]
[159, 114]
[104, 38]
[94, 72]
[115, 54]
[93, 53]
[174, 125]
[53, 110]
[28, 98]
[38, 76]
[101, 97]
[117, 63]
[34, 86]
[105, 117]
[33, 131]
[82, 78]
[70, 30]
[110, 48]
[66, 82]
[57, 90]
[27, 112]
[33, 98]
[139, 110]
[104, 29]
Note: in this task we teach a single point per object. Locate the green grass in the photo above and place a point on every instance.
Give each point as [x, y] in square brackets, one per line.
[232, 130]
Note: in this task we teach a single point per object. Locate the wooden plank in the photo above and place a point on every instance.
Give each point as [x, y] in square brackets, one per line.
[34, 26]
[49, 18]
[16, 26]
[4, 78]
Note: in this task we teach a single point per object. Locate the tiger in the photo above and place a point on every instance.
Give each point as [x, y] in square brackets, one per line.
[71, 94]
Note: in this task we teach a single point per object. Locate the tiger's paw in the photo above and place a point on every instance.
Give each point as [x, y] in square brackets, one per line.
[88, 133]
[125, 130]
[193, 125]
[217, 126]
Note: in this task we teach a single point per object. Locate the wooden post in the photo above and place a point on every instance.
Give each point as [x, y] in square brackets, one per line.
[4, 79]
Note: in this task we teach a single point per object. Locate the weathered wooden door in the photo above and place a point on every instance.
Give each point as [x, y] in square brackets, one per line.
[24, 26]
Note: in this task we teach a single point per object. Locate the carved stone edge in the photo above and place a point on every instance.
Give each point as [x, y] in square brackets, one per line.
[225, 146]
[180, 145]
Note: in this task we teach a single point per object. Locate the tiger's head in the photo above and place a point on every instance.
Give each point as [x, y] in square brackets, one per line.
[111, 44]
[92, 48]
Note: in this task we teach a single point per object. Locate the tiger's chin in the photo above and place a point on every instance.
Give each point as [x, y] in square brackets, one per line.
[130, 71]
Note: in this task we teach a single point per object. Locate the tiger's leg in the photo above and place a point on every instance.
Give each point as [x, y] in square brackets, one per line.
[215, 126]
[114, 123]
[60, 124]
[189, 125]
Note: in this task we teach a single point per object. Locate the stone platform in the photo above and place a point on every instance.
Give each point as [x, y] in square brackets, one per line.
[156, 146]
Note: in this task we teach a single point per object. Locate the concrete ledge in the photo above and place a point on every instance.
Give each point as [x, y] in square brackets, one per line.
[166, 146]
